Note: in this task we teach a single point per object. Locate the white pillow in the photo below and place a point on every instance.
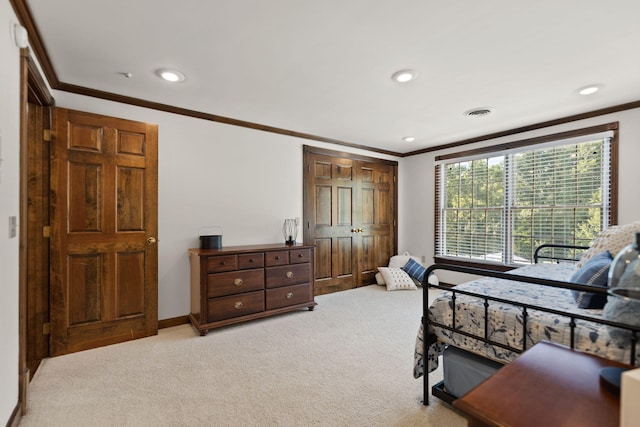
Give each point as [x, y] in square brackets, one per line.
[379, 279]
[399, 261]
[396, 278]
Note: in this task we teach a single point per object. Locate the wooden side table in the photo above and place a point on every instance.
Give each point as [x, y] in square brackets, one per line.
[549, 385]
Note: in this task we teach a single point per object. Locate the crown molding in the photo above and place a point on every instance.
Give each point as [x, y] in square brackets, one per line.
[37, 44]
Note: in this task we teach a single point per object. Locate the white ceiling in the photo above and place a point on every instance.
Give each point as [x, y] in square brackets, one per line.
[323, 67]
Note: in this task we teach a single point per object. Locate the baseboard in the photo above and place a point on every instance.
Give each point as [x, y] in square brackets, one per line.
[15, 417]
[174, 321]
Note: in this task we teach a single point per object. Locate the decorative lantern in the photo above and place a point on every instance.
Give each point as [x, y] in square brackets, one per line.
[623, 302]
[290, 231]
[624, 273]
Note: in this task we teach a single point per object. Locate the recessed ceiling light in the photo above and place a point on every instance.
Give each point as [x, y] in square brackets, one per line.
[588, 90]
[169, 75]
[404, 76]
[409, 139]
[479, 112]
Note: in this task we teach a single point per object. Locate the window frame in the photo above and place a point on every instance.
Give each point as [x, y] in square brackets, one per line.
[528, 143]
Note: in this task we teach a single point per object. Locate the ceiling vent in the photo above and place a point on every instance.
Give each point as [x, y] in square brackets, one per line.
[479, 112]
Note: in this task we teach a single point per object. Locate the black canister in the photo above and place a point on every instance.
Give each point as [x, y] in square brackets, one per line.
[209, 240]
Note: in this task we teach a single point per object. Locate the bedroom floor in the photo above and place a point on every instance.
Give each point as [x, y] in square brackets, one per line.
[347, 363]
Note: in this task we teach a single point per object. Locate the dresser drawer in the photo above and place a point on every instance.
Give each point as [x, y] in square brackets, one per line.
[250, 261]
[276, 258]
[288, 275]
[217, 264]
[235, 305]
[233, 282]
[299, 256]
[288, 295]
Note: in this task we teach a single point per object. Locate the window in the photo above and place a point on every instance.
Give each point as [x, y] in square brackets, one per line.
[499, 203]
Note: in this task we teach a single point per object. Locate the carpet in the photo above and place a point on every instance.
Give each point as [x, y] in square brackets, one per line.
[347, 363]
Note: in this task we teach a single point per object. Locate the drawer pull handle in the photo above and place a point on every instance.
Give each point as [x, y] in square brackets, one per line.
[289, 274]
[300, 255]
[289, 295]
[223, 263]
[238, 282]
[277, 257]
[238, 305]
[251, 260]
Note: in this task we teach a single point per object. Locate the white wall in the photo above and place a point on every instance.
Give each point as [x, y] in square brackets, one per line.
[9, 206]
[417, 175]
[244, 180]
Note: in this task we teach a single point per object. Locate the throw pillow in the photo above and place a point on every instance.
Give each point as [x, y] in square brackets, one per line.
[612, 239]
[398, 261]
[380, 279]
[594, 272]
[415, 270]
[396, 278]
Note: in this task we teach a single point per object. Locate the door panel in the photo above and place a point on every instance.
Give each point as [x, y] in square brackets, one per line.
[84, 286]
[130, 284]
[350, 213]
[343, 259]
[331, 184]
[103, 210]
[378, 215]
[323, 252]
[323, 205]
[345, 206]
[130, 194]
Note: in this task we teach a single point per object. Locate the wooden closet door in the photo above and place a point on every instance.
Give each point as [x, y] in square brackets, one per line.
[376, 235]
[331, 192]
[350, 217]
[104, 225]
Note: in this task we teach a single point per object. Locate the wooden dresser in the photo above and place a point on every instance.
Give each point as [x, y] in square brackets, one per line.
[239, 283]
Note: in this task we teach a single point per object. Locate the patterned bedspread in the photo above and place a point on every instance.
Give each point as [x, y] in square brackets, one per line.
[506, 321]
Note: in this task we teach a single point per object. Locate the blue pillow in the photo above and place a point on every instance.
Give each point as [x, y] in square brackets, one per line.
[414, 269]
[594, 272]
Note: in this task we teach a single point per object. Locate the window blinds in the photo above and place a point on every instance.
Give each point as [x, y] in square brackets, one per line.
[499, 206]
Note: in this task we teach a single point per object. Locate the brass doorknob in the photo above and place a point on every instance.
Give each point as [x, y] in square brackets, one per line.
[151, 241]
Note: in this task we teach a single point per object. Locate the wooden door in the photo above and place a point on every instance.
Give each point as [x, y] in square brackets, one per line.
[350, 217]
[103, 228]
[377, 219]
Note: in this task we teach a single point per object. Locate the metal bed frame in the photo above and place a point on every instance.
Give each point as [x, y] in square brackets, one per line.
[428, 338]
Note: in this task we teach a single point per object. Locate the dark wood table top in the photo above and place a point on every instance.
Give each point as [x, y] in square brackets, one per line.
[549, 385]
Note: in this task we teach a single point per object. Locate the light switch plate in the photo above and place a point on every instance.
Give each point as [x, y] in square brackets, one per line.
[13, 226]
[0, 156]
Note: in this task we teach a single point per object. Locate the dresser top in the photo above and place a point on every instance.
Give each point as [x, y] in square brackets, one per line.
[247, 248]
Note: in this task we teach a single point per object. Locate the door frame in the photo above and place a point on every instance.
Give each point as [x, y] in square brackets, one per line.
[34, 91]
[306, 173]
